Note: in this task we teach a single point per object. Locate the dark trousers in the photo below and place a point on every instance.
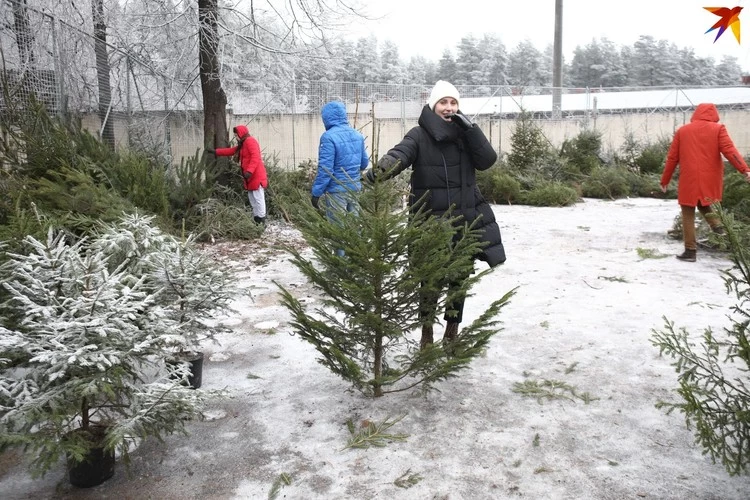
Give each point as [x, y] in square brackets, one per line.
[454, 310]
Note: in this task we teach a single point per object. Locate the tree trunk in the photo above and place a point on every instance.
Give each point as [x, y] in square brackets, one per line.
[378, 366]
[102, 74]
[85, 417]
[215, 133]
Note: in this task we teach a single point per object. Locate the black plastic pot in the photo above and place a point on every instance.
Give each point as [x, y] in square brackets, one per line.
[97, 466]
[195, 365]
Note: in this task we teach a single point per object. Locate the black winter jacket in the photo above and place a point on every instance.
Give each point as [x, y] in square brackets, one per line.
[444, 159]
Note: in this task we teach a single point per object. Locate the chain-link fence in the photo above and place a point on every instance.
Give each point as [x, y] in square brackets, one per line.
[385, 112]
[144, 107]
[118, 94]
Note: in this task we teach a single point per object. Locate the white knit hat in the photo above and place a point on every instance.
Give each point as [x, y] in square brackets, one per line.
[440, 90]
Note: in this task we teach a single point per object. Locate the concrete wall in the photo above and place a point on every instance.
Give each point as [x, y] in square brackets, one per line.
[293, 139]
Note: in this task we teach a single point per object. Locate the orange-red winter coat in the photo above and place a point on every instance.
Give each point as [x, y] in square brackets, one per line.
[698, 147]
[250, 159]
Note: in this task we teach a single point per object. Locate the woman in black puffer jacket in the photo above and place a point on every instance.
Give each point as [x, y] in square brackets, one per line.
[445, 151]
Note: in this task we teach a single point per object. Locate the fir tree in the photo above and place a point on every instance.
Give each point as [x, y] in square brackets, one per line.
[529, 147]
[82, 345]
[371, 295]
[712, 371]
[192, 288]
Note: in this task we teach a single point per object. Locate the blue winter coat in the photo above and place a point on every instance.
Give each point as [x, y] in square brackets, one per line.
[341, 154]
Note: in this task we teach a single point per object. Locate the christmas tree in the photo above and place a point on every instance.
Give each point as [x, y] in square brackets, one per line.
[371, 301]
[192, 288]
[713, 368]
[83, 338]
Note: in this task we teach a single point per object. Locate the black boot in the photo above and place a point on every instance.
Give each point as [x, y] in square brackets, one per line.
[426, 337]
[688, 255]
[451, 332]
[259, 220]
[449, 337]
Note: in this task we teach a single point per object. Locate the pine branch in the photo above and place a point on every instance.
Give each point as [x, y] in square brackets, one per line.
[373, 434]
[550, 390]
[281, 480]
[407, 479]
[714, 403]
[439, 362]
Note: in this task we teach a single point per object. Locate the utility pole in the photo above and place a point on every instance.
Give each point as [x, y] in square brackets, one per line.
[557, 63]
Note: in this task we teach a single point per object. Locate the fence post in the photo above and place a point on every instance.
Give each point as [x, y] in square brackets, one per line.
[676, 100]
[294, 118]
[403, 108]
[128, 101]
[167, 118]
[595, 112]
[59, 69]
[128, 97]
[587, 112]
[500, 125]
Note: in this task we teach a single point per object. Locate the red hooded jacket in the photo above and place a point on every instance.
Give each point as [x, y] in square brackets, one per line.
[250, 158]
[698, 147]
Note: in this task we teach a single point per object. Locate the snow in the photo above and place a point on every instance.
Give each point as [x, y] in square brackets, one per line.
[583, 315]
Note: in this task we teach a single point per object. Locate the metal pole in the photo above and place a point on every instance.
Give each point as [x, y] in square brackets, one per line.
[403, 108]
[557, 63]
[128, 98]
[596, 112]
[59, 69]
[128, 74]
[588, 109]
[167, 118]
[294, 116]
[500, 127]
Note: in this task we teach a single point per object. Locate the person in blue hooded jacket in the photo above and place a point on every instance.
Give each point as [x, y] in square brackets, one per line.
[342, 157]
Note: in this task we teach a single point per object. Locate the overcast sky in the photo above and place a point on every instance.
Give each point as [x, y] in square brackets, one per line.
[428, 27]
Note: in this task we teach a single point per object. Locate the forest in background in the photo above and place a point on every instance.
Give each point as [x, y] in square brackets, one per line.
[252, 50]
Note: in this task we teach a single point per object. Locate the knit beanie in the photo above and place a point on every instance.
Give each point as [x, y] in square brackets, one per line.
[440, 90]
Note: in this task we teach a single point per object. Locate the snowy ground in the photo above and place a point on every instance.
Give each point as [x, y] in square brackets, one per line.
[583, 315]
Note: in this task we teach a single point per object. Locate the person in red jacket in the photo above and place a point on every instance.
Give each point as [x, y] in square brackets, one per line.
[697, 147]
[247, 153]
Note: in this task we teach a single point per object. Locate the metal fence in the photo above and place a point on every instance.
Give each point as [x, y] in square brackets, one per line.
[56, 63]
[150, 109]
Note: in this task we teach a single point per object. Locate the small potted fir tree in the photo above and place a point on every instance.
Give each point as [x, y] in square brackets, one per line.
[81, 344]
[192, 288]
[196, 289]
